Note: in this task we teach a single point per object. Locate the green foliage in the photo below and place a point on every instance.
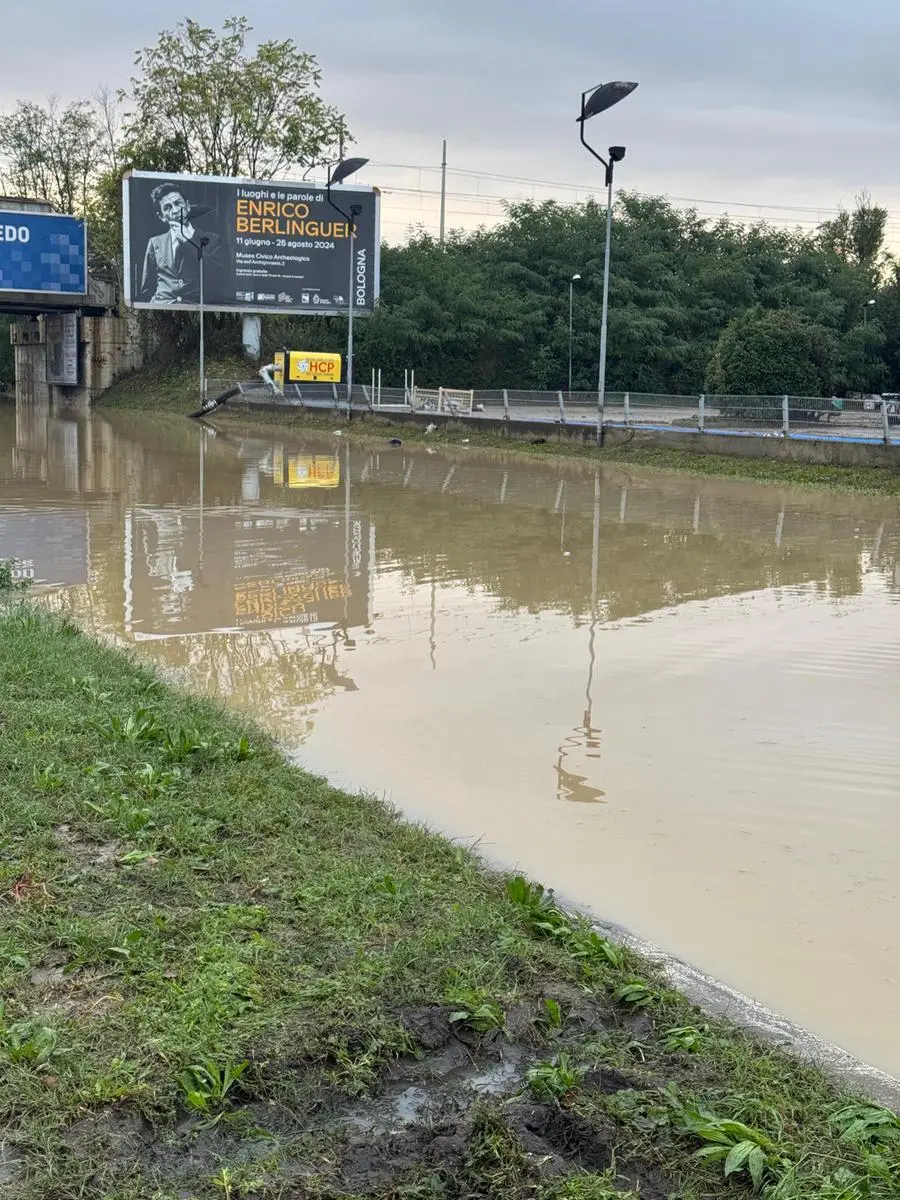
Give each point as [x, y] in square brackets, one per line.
[205, 1086]
[554, 1080]
[224, 111]
[687, 1038]
[51, 153]
[867, 1124]
[552, 1014]
[543, 918]
[772, 353]
[635, 994]
[740, 1148]
[9, 583]
[477, 1011]
[29, 1042]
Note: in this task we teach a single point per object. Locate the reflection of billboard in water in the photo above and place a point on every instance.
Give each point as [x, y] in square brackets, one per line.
[259, 571]
[49, 547]
[306, 470]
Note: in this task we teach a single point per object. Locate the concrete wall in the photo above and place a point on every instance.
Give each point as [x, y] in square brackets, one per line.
[816, 451]
[108, 349]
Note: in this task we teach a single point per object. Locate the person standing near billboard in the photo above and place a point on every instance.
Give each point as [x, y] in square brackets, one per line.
[171, 273]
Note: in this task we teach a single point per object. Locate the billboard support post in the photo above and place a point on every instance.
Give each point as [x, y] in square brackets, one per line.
[337, 174]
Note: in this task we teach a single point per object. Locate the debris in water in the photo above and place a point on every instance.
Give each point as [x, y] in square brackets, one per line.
[394, 442]
[538, 441]
[430, 427]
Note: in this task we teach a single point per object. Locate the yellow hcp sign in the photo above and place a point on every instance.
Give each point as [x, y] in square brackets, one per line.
[306, 367]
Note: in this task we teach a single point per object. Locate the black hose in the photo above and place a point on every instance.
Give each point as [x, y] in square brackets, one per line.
[212, 405]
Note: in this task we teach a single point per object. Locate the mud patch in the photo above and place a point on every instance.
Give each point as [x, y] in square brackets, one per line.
[371, 1165]
[565, 1135]
[93, 855]
[429, 1025]
[11, 1165]
[116, 1136]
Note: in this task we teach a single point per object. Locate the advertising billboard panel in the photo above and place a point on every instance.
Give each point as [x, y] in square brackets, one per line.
[61, 337]
[43, 252]
[266, 246]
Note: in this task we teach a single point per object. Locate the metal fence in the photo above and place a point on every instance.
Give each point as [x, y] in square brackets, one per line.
[805, 417]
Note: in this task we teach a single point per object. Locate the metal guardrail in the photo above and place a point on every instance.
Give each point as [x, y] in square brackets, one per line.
[804, 417]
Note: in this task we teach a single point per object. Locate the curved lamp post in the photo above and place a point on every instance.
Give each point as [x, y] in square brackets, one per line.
[595, 101]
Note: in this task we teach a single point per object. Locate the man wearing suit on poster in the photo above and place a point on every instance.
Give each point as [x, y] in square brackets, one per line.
[171, 272]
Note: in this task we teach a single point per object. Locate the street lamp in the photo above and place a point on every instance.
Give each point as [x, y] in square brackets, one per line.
[598, 100]
[868, 304]
[341, 171]
[575, 279]
[200, 245]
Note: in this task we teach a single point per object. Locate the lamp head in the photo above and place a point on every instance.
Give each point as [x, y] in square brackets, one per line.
[616, 153]
[604, 97]
[345, 168]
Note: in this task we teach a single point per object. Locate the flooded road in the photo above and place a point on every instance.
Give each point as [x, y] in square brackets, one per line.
[675, 700]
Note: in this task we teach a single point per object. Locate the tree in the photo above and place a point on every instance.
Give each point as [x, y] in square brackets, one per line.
[858, 237]
[764, 353]
[215, 109]
[52, 153]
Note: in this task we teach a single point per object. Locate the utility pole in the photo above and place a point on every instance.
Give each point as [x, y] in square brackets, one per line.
[443, 192]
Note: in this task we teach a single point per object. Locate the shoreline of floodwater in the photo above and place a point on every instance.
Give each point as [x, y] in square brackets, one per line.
[175, 392]
[204, 949]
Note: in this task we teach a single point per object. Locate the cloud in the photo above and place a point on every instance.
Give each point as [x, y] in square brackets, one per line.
[775, 101]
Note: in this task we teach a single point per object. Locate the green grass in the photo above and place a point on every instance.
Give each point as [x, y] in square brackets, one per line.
[209, 959]
[176, 391]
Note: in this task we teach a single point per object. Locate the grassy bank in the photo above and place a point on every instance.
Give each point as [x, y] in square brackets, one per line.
[177, 392]
[222, 977]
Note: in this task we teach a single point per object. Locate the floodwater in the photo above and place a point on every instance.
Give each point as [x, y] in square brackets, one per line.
[675, 700]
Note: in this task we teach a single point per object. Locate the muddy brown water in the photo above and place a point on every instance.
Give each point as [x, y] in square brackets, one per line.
[676, 700]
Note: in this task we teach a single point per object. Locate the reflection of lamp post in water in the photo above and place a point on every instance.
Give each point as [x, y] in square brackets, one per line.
[568, 785]
[202, 488]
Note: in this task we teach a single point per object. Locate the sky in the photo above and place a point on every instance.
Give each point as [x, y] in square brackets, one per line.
[792, 104]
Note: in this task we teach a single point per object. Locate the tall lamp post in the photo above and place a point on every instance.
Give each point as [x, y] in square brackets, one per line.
[595, 101]
[199, 245]
[575, 279]
[341, 171]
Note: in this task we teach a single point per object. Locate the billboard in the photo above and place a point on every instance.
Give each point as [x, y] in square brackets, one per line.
[42, 252]
[61, 337]
[266, 246]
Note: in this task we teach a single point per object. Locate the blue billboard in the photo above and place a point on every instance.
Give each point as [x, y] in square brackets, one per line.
[42, 252]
